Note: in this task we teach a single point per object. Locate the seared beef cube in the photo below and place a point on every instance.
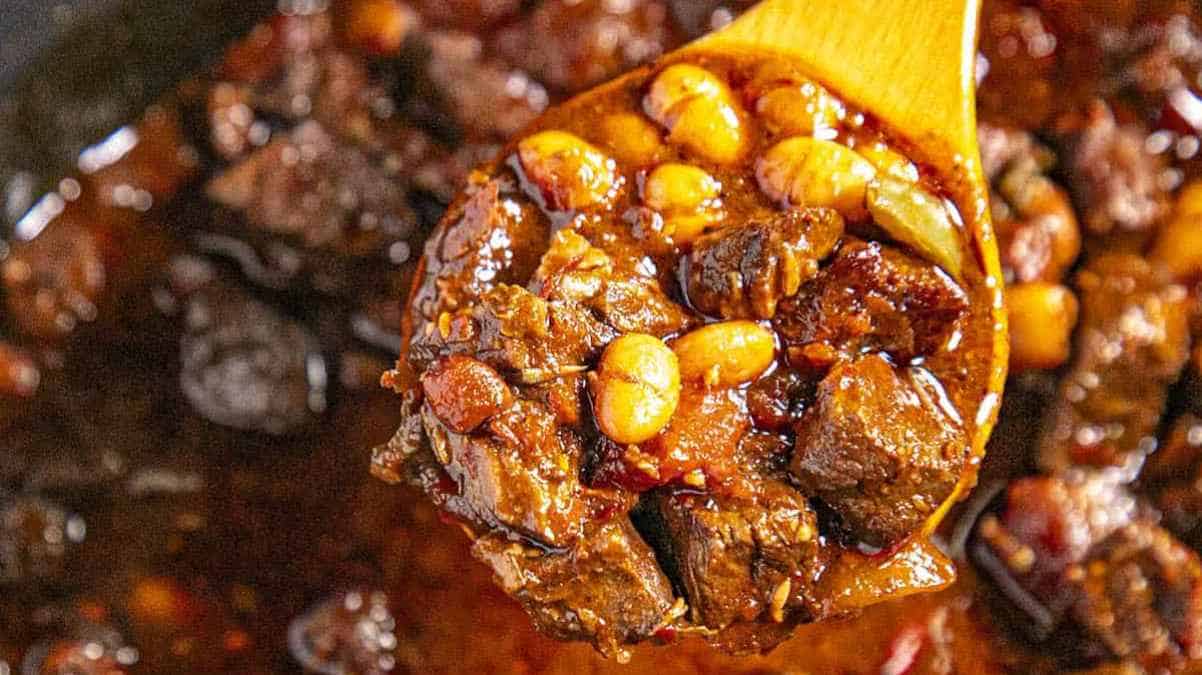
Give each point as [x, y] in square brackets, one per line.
[871, 297]
[1116, 183]
[519, 334]
[1132, 343]
[334, 89]
[488, 100]
[1079, 552]
[742, 559]
[1140, 593]
[544, 346]
[880, 447]
[53, 282]
[1145, 53]
[1051, 523]
[777, 399]
[318, 193]
[244, 364]
[290, 69]
[521, 476]
[574, 44]
[612, 285]
[491, 241]
[744, 271]
[607, 589]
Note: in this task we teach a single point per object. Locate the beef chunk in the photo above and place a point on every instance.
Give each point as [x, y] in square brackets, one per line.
[331, 87]
[1078, 553]
[521, 475]
[1132, 343]
[518, 333]
[320, 194]
[607, 589]
[613, 285]
[744, 271]
[1059, 520]
[1037, 231]
[742, 559]
[775, 401]
[1115, 181]
[243, 364]
[880, 448]
[1142, 594]
[390, 461]
[290, 69]
[872, 297]
[544, 346]
[492, 237]
[1143, 52]
[585, 42]
[352, 632]
[53, 282]
[488, 100]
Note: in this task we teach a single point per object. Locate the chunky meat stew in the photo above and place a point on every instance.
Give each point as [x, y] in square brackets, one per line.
[203, 277]
[762, 230]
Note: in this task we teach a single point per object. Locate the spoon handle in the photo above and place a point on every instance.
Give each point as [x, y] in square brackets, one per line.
[911, 62]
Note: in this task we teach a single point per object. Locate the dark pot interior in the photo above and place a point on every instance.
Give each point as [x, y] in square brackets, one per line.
[72, 71]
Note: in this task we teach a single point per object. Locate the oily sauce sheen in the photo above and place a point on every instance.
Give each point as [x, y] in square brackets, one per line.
[746, 343]
[195, 318]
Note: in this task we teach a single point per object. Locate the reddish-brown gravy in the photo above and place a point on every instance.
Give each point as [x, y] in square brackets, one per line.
[194, 323]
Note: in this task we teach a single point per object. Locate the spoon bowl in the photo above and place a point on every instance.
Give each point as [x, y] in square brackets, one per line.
[907, 68]
[912, 64]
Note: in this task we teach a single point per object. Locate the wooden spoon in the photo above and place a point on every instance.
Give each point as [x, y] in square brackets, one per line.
[910, 63]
